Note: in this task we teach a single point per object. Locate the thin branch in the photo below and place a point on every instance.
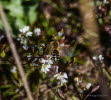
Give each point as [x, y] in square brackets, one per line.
[14, 52]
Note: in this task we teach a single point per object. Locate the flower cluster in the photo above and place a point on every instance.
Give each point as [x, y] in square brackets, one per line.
[98, 58]
[25, 34]
[26, 30]
[47, 66]
[62, 77]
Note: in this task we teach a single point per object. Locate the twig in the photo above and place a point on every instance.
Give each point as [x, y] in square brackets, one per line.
[54, 91]
[14, 52]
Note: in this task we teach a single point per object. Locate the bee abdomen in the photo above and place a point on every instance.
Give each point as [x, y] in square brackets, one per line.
[55, 56]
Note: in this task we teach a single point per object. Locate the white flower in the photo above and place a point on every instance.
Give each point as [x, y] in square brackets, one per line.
[63, 81]
[88, 85]
[24, 29]
[105, 1]
[25, 47]
[14, 70]
[101, 57]
[18, 39]
[37, 31]
[49, 61]
[45, 68]
[60, 33]
[61, 77]
[62, 44]
[63, 37]
[64, 75]
[29, 56]
[42, 44]
[94, 58]
[28, 34]
[44, 61]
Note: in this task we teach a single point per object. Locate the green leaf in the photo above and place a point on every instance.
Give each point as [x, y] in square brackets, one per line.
[16, 96]
[5, 86]
[1, 26]
[32, 14]
[9, 92]
[2, 54]
[50, 30]
[74, 98]
[19, 23]
[15, 8]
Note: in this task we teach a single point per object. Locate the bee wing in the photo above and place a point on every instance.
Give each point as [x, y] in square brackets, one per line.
[66, 51]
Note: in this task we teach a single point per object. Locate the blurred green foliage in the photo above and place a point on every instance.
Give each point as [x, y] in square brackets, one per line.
[51, 16]
[20, 14]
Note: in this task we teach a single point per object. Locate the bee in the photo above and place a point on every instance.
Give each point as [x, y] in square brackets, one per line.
[58, 50]
[55, 51]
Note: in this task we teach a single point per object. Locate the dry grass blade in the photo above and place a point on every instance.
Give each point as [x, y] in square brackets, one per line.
[14, 52]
